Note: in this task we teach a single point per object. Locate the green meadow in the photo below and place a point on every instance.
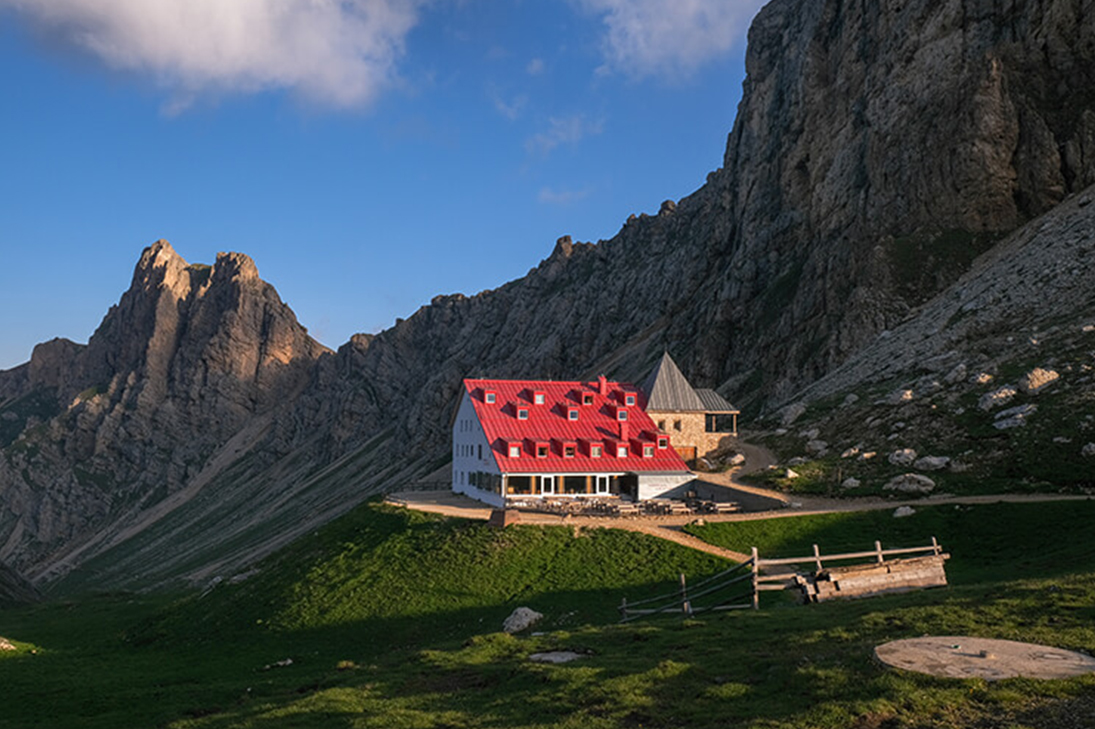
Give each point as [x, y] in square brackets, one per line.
[388, 618]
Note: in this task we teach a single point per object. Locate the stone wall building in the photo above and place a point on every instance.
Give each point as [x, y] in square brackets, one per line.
[697, 420]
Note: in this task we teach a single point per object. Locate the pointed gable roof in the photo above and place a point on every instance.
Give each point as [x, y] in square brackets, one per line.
[667, 389]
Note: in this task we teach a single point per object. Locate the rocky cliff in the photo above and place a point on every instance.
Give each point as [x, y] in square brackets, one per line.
[879, 148]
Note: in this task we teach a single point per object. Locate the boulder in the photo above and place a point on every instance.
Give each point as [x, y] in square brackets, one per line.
[6, 645]
[910, 483]
[811, 434]
[791, 413]
[853, 451]
[849, 400]
[903, 511]
[798, 461]
[981, 378]
[867, 455]
[1014, 417]
[902, 457]
[996, 398]
[790, 474]
[1037, 380]
[1088, 450]
[931, 463]
[956, 375]
[521, 619]
[851, 483]
[736, 460]
[817, 448]
[899, 397]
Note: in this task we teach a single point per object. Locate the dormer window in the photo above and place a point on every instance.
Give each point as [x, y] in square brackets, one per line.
[596, 451]
[621, 451]
[663, 443]
[489, 397]
[648, 451]
[572, 413]
[538, 398]
[569, 450]
[522, 413]
[514, 450]
[587, 398]
[542, 450]
[629, 400]
[621, 415]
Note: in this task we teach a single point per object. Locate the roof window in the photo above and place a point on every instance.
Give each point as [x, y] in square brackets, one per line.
[621, 415]
[596, 450]
[663, 442]
[587, 398]
[569, 450]
[621, 451]
[542, 450]
[648, 451]
[522, 413]
[538, 398]
[489, 397]
[514, 450]
[572, 413]
[629, 400]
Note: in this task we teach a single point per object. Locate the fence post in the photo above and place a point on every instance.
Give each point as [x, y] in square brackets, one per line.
[686, 608]
[756, 592]
[623, 608]
[817, 557]
[878, 549]
[935, 547]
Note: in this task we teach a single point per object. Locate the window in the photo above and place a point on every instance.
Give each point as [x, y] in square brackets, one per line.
[621, 451]
[515, 451]
[663, 443]
[568, 451]
[629, 400]
[587, 398]
[596, 451]
[572, 413]
[480, 451]
[621, 415]
[648, 451]
[522, 413]
[490, 397]
[541, 450]
[538, 398]
[661, 425]
[676, 425]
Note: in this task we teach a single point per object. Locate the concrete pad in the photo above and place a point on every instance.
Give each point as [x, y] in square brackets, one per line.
[958, 656]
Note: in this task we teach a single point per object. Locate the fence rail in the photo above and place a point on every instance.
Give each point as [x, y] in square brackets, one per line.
[684, 602]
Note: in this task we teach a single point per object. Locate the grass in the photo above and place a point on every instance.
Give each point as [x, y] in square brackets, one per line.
[391, 618]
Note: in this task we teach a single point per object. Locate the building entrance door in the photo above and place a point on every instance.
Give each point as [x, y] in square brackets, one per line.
[602, 484]
[547, 485]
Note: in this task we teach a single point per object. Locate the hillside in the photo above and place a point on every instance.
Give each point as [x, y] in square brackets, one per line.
[388, 618]
[877, 151]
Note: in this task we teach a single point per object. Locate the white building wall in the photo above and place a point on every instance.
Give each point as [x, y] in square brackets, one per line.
[663, 485]
[471, 452]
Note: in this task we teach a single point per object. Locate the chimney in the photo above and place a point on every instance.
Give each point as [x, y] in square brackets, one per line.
[623, 432]
[602, 385]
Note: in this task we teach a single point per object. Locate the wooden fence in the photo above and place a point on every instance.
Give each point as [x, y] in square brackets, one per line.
[876, 577]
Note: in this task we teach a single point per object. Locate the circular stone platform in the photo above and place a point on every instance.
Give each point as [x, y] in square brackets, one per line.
[957, 656]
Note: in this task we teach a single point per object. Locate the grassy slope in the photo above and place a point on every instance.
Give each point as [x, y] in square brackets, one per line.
[390, 618]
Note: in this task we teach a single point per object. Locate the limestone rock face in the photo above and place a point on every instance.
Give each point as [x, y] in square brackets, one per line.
[188, 356]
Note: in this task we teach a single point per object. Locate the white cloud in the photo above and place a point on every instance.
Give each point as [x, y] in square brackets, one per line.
[656, 38]
[563, 130]
[509, 108]
[561, 197]
[535, 67]
[340, 53]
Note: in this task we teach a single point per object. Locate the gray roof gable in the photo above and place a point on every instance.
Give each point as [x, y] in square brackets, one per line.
[713, 402]
[667, 389]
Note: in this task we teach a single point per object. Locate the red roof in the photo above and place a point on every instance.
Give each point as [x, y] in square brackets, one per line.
[597, 424]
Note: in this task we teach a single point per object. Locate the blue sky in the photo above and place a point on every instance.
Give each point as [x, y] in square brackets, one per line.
[368, 154]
